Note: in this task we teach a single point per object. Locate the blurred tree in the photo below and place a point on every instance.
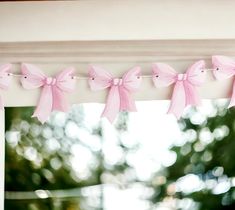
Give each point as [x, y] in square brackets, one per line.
[202, 177]
[204, 170]
[38, 157]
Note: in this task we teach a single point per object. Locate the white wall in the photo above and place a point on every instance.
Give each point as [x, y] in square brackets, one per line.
[117, 20]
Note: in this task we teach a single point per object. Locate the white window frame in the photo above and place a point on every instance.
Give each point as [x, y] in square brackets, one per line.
[2, 158]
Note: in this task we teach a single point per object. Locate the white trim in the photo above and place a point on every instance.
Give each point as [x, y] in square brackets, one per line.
[116, 20]
[116, 57]
[2, 158]
[111, 51]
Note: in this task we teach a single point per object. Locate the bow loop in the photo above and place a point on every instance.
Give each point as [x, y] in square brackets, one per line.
[53, 88]
[120, 89]
[197, 73]
[99, 79]
[65, 80]
[163, 75]
[223, 66]
[132, 79]
[32, 76]
[5, 74]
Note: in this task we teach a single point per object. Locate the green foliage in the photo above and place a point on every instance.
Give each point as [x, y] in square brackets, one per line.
[32, 165]
[208, 153]
[205, 155]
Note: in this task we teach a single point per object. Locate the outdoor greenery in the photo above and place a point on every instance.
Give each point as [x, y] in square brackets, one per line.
[38, 160]
[208, 154]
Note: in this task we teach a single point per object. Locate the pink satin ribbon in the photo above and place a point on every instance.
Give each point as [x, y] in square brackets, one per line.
[120, 90]
[224, 68]
[5, 79]
[184, 92]
[53, 88]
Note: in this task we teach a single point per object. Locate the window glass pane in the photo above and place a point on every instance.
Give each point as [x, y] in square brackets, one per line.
[144, 161]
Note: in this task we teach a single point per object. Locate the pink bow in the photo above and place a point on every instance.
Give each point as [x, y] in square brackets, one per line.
[52, 95]
[5, 80]
[184, 92]
[224, 68]
[119, 97]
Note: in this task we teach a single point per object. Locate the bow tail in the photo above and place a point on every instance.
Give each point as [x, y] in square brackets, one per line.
[232, 101]
[1, 104]
[178, 100]
[127, 103]
[112, 106]
[45, 103]
[59, 102]
[192, 97]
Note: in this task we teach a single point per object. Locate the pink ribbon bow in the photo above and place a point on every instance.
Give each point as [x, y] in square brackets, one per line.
[52, 95]
[120, 90]
[184, 92]
[224, 68]
[5, 80]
